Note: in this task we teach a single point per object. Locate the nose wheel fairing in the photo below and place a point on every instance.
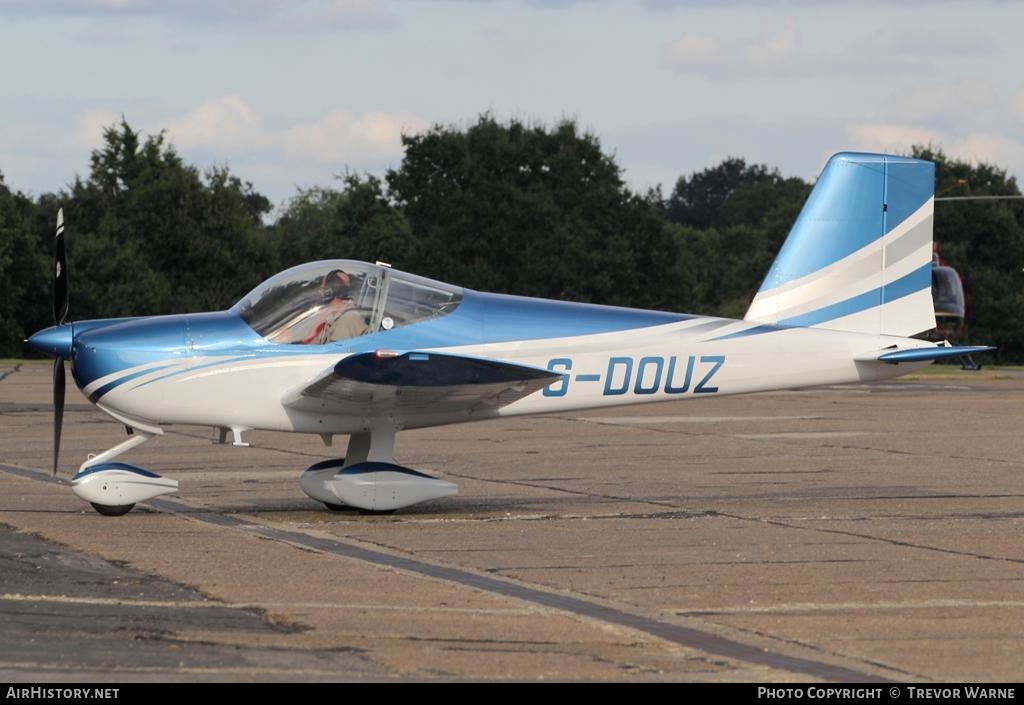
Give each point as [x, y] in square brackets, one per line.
[113, 488]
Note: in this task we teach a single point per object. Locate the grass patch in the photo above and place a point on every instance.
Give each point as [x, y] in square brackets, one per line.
[954, 372]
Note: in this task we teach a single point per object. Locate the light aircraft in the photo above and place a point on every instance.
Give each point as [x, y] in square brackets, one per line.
[849, 287]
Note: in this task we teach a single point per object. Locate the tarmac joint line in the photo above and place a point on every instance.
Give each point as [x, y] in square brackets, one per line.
[688, 637]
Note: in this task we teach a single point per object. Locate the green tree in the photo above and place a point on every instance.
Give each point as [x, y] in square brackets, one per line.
[523, 209]
[730, 221]
[25, 302]
[356, 221]
[720, 270]
[147, 234]
[737, 193]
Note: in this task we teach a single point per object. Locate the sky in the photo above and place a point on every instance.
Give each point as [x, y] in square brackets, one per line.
[289, 94]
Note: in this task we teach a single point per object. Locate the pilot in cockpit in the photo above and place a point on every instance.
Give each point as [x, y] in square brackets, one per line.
[338, 319]
[318, 313]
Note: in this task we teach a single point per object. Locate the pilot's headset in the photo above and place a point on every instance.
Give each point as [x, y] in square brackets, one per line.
[336, 285]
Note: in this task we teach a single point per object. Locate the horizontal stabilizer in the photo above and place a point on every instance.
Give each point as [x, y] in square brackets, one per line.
[939, 352]
[417, 382]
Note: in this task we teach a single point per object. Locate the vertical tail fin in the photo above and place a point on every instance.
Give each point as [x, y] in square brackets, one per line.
[859, 256]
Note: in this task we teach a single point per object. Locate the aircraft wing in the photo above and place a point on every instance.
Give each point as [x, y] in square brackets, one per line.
[412, 383]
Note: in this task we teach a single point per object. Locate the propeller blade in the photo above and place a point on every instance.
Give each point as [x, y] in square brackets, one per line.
[60, 273]
[58, 408]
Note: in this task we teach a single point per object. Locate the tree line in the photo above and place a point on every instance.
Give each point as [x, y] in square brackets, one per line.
[509, 207]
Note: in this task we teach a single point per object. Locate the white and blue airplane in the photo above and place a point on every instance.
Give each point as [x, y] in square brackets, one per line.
[849, 287]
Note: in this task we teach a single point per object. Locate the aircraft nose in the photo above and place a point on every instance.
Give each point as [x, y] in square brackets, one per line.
[55, 341]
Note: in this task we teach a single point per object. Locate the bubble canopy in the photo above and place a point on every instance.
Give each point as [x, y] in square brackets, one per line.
[323, 302]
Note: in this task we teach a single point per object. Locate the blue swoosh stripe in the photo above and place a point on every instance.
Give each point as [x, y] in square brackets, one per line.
[98, 393]
[756, 330]
[208, 364]
[115, 465]
[920, 278]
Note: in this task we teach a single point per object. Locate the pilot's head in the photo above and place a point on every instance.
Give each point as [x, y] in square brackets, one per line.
[336, 285]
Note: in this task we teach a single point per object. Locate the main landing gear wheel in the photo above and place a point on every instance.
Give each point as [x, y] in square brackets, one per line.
[367, 478]
[110, 510]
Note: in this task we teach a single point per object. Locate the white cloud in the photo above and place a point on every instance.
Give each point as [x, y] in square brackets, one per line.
[669, 5]
[662, 152]
[775, 46]
[226, 124]
[988, 147]
[345, 138]
[275, 157]
[1017, 104]
[775, 50]
[229, 130]
[263, 16]
[975, 146]
[385, 130]
[958, 102]
[961, 42]
[330, 15]
[19, 164]
[89, 128]
[693, 50]
[890, 137]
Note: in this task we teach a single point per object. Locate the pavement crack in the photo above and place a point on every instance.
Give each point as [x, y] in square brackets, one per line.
[8, 373]
[578, 493]
[869, 537]
[826, 652]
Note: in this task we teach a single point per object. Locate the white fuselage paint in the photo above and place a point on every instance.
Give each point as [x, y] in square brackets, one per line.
[248, 392]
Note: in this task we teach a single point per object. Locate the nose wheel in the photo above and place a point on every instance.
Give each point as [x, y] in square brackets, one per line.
[109, 510]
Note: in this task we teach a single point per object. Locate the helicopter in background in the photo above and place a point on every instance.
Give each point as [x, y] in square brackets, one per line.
[950, 306]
